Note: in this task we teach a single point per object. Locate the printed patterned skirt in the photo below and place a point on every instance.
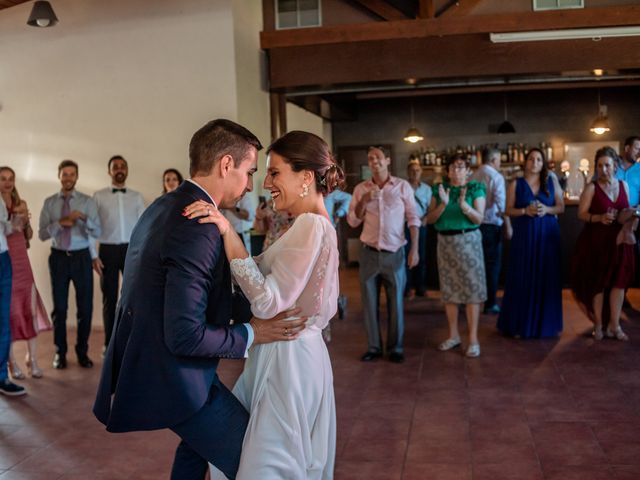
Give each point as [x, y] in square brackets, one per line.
[461, 268]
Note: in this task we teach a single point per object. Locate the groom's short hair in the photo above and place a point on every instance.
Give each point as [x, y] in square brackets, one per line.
[216, 139]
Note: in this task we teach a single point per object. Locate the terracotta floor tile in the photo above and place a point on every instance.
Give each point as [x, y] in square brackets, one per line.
[437, 416]
[439, 451]
[592, 472]
[352, 470]
[433, 471]
[567, 444]
[507, 471]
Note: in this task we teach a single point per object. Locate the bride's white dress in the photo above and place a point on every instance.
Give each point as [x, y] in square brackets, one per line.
[287, 387]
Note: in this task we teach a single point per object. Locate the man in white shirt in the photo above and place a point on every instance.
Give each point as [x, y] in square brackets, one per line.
[241, 218]
[119, 209]
[492, 223]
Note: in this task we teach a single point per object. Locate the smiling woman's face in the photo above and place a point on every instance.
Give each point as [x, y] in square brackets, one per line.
[284, 184]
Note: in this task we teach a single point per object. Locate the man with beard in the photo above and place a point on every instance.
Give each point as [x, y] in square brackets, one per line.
[119, 209]
[69, 218]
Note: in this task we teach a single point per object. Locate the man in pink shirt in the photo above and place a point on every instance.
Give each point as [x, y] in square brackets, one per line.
[382, 204]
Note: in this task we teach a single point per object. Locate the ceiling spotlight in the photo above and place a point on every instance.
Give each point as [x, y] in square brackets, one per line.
[42, 15]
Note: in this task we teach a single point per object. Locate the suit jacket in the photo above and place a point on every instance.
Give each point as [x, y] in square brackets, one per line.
[172, 323]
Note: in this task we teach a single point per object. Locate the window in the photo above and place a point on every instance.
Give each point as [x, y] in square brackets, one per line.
[297, 13]
[556, 4]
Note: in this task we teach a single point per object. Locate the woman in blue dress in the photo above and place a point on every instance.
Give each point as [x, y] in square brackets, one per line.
[532, 303]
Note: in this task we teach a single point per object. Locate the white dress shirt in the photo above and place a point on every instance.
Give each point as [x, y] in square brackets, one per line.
[247, 202]
[119, 212]
[496, 194]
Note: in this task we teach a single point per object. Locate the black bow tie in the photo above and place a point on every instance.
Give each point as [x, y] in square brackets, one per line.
[116, 190]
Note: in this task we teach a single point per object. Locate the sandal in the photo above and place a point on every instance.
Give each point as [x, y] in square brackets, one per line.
[597, 333]
[34, 370]
[15, 371]
[618, 334]
[448, 344]
[473, 350]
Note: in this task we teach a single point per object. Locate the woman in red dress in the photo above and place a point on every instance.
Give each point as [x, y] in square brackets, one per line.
[28, 315]
[604, 258]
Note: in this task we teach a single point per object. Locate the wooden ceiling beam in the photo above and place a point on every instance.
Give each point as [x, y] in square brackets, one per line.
[382, 9]
[460, 56]
[459, 8]
[10, 3]
[426, 9]
[440, 27]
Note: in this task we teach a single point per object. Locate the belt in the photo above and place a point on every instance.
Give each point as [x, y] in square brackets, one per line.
[373, 249]
[449, 233]
[70, 253]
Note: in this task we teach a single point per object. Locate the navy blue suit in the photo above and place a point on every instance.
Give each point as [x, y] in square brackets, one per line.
[172, 326]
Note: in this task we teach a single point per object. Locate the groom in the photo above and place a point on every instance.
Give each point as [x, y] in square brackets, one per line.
[172, 323]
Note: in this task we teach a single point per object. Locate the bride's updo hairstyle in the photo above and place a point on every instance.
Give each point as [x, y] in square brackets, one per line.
[306, 151]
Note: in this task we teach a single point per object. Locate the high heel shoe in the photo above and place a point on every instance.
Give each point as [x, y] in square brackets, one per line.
[15, 371]
[617, 334]
[597, 333]
[34, 370]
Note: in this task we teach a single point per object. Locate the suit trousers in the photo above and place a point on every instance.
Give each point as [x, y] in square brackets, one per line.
[65, 267]
[5, 307]
[417, 276]
[492, 251]
[213, 435]
[112, 258]
[383, 269]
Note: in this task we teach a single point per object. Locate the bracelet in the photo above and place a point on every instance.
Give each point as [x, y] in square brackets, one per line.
[524, 211]
[590, 218]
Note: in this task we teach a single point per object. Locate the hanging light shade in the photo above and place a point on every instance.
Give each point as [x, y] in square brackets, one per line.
[600, 125]
[506, 126]
[42, 15]
[413, 135]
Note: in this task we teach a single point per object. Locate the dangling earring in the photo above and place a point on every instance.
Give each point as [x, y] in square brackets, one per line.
[305, 190]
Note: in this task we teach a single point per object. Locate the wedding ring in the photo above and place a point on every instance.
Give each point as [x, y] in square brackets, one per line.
[208, 212]
[286, 332]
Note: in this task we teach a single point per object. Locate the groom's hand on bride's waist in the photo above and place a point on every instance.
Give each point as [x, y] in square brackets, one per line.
[285, 326]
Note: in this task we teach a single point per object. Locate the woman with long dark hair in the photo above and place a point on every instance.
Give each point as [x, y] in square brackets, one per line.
[604, 259]
[532, 303]
[171, 179]
[28, 315]
[287, 387]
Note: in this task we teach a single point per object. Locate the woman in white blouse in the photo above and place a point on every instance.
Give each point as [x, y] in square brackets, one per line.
[287, 387]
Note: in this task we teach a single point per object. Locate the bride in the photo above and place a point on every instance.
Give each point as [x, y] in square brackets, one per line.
[287, 387]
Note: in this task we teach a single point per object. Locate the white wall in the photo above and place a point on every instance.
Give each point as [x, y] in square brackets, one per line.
[128, 77]
[131, 77]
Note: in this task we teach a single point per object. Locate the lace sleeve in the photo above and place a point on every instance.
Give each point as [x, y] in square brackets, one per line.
[297, 253]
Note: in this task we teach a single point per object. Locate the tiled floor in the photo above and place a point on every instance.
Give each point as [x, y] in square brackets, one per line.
[526, 410]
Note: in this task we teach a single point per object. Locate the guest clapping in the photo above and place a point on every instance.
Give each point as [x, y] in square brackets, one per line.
[171, 179]
[28, 315]
[532, 303]
[457, 210]
[604, 258]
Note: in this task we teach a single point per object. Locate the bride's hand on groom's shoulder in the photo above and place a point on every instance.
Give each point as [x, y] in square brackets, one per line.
[207, 213]
[283, 327]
